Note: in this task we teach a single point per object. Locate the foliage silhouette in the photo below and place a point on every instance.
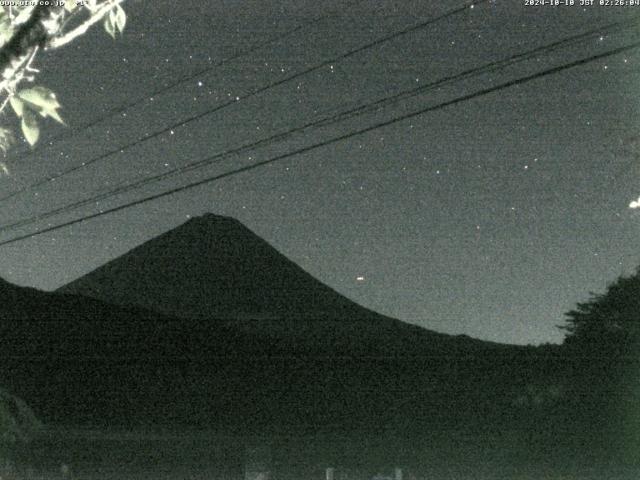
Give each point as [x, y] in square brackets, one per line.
[603, 366]
[608, 323]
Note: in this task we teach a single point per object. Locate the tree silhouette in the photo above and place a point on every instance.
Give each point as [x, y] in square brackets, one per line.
[609, 321]
[602, 363]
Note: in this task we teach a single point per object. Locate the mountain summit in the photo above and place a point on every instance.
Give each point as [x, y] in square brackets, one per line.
[214, 267]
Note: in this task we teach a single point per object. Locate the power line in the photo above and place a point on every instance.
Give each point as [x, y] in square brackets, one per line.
[251, 94]
[243, 53]
[333, 140]
[610, 28]
[361, 110]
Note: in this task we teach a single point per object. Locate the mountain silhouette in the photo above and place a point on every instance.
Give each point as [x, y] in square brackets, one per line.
[214, 267]
[208, 324]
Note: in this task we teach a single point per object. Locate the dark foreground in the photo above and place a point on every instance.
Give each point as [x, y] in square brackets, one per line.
[65, 453]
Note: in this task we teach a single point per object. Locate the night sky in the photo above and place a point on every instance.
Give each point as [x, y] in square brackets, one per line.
[490, 218]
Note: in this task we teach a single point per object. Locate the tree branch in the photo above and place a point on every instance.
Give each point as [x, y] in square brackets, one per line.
[35, 32]
[43, 26]
[98, 15]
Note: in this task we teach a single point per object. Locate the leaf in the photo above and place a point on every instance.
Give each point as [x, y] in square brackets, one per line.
[42, 100]
[120, 18]
[30, 128]
[110, 26]
[70, 5]
[53, 114]
[41, 97]
[56, 116]
[17, 105]
[115, 21]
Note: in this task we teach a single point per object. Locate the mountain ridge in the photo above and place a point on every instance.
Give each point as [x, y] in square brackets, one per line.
[214, 267]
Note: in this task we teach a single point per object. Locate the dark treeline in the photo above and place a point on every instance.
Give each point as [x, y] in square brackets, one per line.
[428, 401]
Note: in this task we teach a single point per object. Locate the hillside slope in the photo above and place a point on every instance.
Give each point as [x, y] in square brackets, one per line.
[81, 361]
